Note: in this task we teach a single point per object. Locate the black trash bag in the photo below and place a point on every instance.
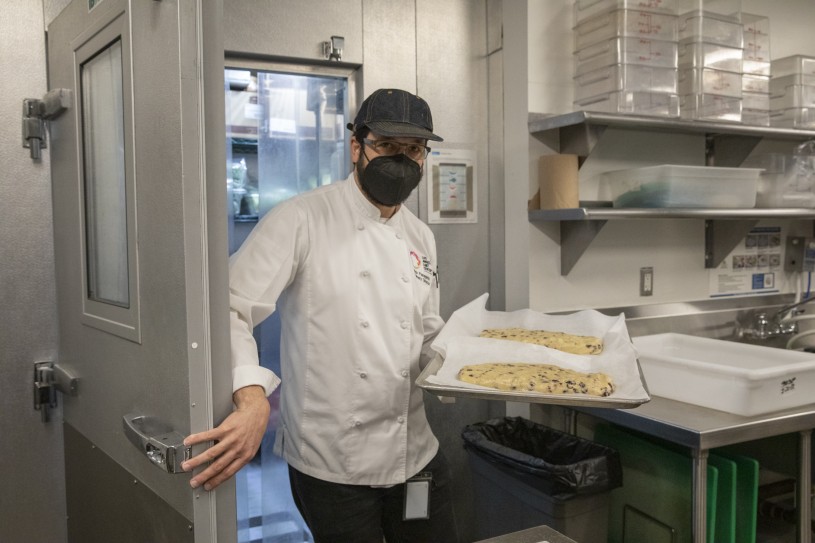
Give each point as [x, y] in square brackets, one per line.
[559, 464]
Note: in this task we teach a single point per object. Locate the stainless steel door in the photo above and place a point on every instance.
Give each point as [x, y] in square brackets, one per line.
[140, 254]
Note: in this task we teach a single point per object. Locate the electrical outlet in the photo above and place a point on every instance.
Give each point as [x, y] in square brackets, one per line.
[646, 281]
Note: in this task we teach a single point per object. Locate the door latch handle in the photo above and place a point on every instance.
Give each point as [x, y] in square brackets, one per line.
[162, 445]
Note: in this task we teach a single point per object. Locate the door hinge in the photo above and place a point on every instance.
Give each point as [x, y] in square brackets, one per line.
[36, 112]
[49, 378]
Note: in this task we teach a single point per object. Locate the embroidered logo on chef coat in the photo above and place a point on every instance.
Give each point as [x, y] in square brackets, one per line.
[422, 267]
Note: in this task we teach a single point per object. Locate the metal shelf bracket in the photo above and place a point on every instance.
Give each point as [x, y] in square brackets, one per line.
[721, 237]
[575, 238]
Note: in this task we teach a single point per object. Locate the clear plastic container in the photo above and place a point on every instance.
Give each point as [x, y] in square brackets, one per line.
[625, 23]
[720, 8]
[756, 67]
[800, 117]
[710, 107]
[694, 54]
[778, 85]
[755, 100]
[650, 104]
[756, 39]
[794, 64]
[584, 9]
[709, 81]
[711, 29]
[625, 77]
[671, 185]
[778, 184]
[755, 117]
[657, 53]
[755, 83]
[794, 96]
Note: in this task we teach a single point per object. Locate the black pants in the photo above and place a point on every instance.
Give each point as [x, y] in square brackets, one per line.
[339, 513]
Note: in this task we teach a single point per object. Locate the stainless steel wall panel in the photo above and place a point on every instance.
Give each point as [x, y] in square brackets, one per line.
[32, 508]
[495, 123]
[452, 74]
[293, 28]
[389, 49]
[451, 65]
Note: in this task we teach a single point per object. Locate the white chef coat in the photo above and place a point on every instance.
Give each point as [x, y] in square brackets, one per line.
[359, 306]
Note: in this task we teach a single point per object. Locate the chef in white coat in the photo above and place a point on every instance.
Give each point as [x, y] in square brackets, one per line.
[354, 276]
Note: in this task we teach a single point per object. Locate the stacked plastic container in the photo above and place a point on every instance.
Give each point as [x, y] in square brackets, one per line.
[711, 55]
[792, 92]
[756, 79]
[626, 56]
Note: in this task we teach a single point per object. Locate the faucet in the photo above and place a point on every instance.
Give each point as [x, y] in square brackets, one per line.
[761, 325]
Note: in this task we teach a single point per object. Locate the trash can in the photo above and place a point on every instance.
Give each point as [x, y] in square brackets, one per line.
[526, 474]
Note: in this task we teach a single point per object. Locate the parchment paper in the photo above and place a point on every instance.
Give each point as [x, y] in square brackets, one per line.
[459, 345]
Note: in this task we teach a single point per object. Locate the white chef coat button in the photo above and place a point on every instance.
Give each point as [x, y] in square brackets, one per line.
[365, 273]
[405, 279]
[398, 235]
[405, 324]
[400, 419]
[364, 324]
[405, 373]
[360, 226]
[357, 423]
[363, 375]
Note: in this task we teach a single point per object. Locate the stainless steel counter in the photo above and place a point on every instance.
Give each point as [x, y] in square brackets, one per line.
[702, 429]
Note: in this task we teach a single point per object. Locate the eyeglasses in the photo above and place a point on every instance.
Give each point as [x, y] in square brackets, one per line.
[415, 151]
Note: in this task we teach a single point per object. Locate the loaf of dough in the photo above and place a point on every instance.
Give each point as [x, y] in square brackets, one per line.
[561, 341]
[545, 378]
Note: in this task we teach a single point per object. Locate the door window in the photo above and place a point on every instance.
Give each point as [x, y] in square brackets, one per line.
[105, 198]
[286, 135]
[106, 172]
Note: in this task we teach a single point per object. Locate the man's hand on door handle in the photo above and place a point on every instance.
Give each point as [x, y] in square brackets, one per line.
[236, 439]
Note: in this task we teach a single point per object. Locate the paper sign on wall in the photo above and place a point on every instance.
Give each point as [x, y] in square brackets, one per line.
[755, 266]
[451, 191]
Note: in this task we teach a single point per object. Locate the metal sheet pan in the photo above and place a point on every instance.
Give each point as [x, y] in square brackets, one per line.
[574, 400]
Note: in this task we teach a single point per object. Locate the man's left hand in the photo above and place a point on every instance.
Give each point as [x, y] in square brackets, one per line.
[236, 439]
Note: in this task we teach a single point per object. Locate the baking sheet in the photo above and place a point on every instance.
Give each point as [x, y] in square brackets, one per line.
[458, 345]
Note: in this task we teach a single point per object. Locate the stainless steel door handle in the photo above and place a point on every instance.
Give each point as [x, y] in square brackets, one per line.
[158, 441]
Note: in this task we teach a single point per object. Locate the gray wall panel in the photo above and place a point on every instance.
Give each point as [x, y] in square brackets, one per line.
[32, 507]
[452, 74]
[271, 28]
[451, 63]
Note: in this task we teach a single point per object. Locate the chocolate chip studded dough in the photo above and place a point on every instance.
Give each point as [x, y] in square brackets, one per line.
[544, 378]
[561, 341]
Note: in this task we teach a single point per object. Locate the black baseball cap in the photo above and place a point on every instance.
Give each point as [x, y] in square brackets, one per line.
[395, 113]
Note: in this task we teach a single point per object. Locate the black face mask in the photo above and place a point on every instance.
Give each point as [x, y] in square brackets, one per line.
[389, 180]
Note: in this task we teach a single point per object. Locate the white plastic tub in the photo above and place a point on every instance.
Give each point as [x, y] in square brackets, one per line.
[671, 185]
[734, 377]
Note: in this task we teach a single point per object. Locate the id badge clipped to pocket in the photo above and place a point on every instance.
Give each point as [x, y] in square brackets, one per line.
[417, 496]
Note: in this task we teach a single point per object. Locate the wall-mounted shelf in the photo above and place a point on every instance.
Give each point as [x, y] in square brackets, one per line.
[728, 144]
[724, 227]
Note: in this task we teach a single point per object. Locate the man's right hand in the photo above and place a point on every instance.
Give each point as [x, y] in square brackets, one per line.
[236, 439]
